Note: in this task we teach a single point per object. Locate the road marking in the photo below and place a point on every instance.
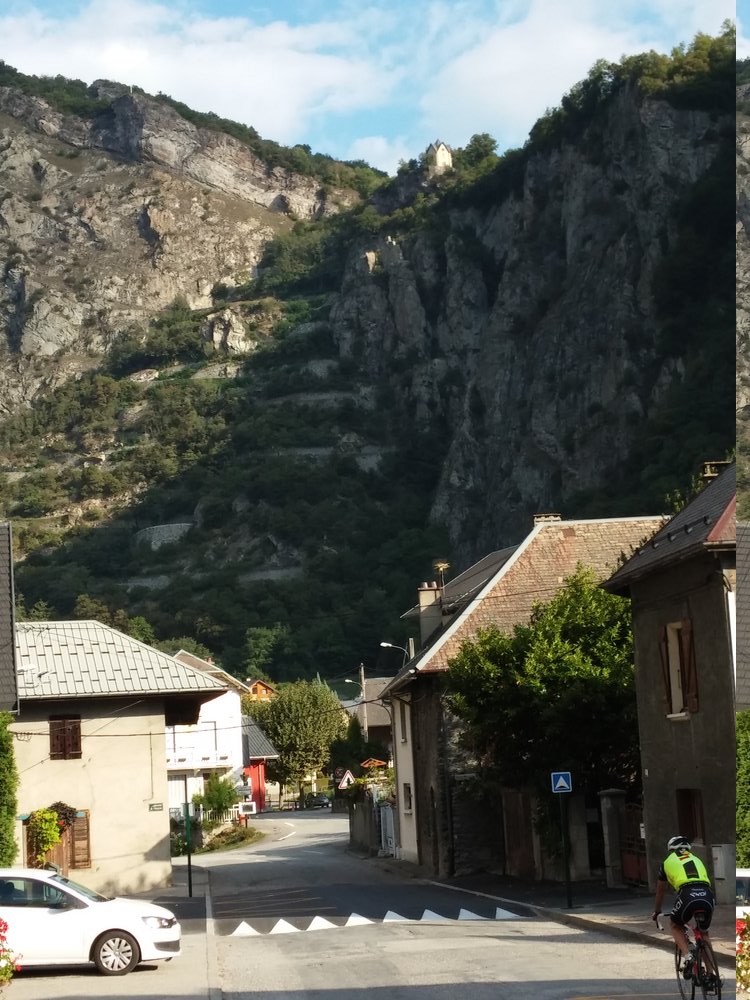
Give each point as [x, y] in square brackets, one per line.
[356, 921]
[468, 915]
[244, 930]
[393, 917]
[320, 924]
[284, 927]
[288, 835]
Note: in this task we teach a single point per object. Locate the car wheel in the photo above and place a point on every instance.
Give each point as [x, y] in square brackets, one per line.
[115, 953]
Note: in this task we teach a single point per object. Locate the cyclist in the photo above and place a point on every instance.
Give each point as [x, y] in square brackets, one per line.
[694, 897]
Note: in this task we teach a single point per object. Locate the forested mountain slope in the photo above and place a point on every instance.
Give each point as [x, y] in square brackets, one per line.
[408, 378]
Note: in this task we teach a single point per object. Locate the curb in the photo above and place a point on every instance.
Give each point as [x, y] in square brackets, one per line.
[585, 923]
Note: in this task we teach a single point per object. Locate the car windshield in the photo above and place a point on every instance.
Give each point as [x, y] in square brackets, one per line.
[84, 891]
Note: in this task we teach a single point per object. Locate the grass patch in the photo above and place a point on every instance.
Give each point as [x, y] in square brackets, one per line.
[227, 840]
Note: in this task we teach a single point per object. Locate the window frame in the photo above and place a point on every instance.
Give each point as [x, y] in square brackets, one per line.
[679, 668]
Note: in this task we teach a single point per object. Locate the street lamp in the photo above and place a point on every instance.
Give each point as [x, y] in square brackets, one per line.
[390, 645]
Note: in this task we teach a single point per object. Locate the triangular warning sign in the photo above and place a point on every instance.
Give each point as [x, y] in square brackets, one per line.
[347, 780]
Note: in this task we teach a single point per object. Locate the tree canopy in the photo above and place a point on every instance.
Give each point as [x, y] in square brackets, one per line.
[555, 693]
[8, 787]
[302, 722]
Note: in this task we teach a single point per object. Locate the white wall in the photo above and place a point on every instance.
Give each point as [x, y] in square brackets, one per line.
[214, 742]
[403, 758]
[119, 777]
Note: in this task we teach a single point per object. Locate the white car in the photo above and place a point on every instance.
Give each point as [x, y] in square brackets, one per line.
[53, 921]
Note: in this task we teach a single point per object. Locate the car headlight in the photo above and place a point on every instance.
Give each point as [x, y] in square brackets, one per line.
[159, 922]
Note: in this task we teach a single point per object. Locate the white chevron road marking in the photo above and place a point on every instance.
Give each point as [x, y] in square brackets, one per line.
[319, 923]
[284, 927]
[244, 930]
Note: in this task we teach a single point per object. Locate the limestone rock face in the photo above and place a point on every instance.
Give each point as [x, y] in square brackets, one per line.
[743, 255]
[531, 330]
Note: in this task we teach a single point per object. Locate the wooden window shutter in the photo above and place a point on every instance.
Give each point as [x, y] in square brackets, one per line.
[689, 666]
[664, 655]
[72, 738]
[57, 739]
[80, 848]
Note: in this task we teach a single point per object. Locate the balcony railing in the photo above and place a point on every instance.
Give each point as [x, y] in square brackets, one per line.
[185, 760]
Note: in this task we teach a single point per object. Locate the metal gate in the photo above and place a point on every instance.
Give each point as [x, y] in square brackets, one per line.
[387, 836]
[633, 851]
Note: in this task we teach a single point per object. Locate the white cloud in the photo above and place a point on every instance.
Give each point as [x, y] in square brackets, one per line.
[274, 76]
[401, 73]
[380, 152]
[505, 82]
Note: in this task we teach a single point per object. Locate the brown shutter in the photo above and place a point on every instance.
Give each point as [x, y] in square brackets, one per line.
[57, 739]
[664, 655]
[689, 667]
[72, 738]
[80, 849]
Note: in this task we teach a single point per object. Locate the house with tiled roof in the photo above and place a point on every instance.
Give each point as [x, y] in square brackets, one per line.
[682, 584]
[222, 742]
[742, 638]
[90, 732]
[441, 823]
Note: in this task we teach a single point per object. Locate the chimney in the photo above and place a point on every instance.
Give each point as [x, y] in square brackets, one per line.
[542, 518]
[713, 469]
[430, 609]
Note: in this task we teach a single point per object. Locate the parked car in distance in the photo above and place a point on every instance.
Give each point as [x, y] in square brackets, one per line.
[317, 800]
[54, 921]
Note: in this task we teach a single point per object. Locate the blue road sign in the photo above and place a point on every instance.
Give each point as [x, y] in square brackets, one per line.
[561, 781]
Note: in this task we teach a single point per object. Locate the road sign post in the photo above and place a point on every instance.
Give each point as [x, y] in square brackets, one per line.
[562, 784]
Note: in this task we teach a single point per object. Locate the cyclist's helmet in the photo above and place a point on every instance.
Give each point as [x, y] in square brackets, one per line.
[678, 844]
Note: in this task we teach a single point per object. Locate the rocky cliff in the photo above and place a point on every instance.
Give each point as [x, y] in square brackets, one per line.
[533, 327]
[103, 222]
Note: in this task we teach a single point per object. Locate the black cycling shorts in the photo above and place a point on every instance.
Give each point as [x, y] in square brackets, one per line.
[694, 899]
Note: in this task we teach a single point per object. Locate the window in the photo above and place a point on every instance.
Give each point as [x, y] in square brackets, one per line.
[679, 673]
[65, 737]
[408, 805]
[402, 721]
[690, 814]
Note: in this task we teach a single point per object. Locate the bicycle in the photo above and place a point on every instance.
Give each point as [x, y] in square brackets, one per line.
[701, 976]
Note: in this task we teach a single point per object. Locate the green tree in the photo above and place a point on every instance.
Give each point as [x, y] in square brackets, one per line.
[8, 788]
[558, 692]
[261, 645]
[743, 789]
[218, 795]
[478, 148]
[302, 722]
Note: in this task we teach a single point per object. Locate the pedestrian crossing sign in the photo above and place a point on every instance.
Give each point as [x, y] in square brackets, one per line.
[561, 781]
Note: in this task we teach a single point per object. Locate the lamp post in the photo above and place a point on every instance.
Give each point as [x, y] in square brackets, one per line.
[391, 645]
[361, 683]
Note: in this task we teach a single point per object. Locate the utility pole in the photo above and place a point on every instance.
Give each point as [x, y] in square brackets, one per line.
[364, 701]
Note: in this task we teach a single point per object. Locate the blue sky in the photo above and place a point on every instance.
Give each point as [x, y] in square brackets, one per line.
[355, 80]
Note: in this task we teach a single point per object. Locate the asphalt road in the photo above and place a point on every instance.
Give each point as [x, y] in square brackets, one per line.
[297, 917]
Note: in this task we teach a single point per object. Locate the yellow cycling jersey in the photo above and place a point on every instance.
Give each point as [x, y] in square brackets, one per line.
[682, 867]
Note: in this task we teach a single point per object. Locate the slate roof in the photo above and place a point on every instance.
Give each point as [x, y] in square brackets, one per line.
[257, 744]
[532, 572]
[743, 615]
[377, 715]
[85, 659]
[707, 522]
[462, 588]
[213, 670]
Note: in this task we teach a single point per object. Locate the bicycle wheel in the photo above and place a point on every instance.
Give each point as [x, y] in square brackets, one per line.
[685, 986]
[710, 985]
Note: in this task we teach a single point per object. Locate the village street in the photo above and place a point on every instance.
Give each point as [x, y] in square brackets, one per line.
[298, 916]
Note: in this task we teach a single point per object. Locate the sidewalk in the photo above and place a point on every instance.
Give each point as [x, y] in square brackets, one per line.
[623, 912]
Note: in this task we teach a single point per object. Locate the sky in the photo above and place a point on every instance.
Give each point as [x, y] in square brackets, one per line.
[352, 79]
